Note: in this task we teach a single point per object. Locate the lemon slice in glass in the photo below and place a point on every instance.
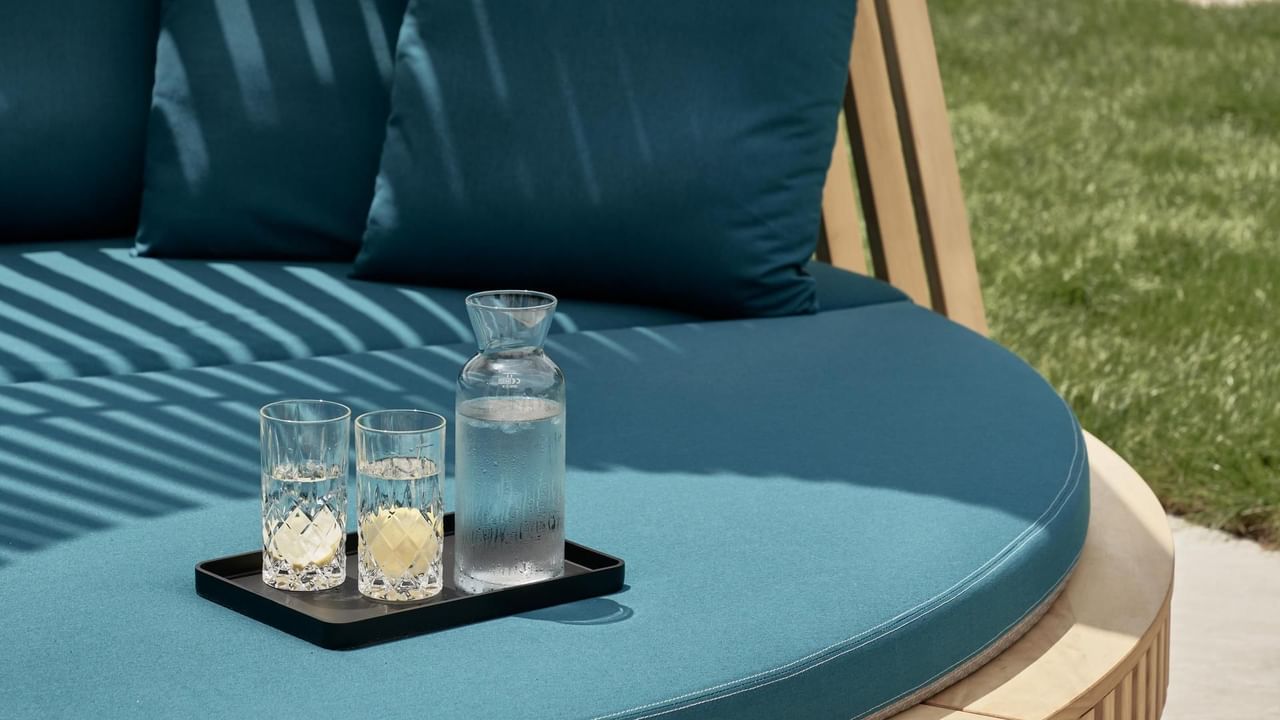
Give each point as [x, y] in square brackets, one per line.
[303, 541]
[400, 541]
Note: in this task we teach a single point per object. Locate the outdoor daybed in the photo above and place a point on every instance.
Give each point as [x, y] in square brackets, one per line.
[837, 514]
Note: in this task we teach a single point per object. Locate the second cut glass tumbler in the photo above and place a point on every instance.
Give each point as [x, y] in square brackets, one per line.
[400, 504]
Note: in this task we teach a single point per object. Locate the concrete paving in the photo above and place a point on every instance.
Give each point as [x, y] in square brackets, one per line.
[1226, 628]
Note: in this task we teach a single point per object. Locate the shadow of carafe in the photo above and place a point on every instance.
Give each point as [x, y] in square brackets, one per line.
[592, 611]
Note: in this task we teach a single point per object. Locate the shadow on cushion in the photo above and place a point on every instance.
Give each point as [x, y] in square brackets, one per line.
[90, 308]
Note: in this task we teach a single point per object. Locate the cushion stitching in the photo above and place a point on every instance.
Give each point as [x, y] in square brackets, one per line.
[1052, 589]
[850, 649]
[846, 651]
[1055, 507]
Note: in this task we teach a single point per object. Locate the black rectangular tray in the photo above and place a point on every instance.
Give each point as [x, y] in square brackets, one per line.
[342, 618]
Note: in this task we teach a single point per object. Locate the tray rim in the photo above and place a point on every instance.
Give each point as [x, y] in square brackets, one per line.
[220, 589]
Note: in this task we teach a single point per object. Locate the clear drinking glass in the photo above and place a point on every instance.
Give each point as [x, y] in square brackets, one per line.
[400, 503]
[304, 447]
[509, 520]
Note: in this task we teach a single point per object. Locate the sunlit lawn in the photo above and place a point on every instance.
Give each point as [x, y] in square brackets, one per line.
[1121, 163]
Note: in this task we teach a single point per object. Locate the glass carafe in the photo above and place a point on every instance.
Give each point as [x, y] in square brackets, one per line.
[509, 514]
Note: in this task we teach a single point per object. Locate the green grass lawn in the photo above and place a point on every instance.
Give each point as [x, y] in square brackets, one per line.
[1121, 165]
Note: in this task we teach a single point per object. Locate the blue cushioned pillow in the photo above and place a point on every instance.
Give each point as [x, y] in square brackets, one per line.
[75, 79]
[667, 152]
[266, 123]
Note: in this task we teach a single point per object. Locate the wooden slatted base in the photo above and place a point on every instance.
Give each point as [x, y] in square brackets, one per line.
[1142, 692]
[1102, 650]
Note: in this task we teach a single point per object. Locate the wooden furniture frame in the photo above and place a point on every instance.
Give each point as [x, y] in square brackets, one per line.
[1102, 650]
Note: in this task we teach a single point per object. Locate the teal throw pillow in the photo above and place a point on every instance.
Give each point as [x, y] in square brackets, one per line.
[266, 123]
[666, 152]
[75, 83]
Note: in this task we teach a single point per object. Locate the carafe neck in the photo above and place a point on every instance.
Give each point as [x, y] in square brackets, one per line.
[510, 322]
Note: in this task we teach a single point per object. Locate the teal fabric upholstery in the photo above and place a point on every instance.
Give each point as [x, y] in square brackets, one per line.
[75, 82]
[91, 308]
[266, 125]
[807, 534]
[666, 153]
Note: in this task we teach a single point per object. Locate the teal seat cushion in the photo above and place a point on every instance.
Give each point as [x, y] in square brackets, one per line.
[266, 123]
[821, 516]
[75, 82]
[92, 308]
[670, 152]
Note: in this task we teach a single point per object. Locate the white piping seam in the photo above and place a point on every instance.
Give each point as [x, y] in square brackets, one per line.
[825, 660]
[1052, 589]
[843, 652]
[982, 571]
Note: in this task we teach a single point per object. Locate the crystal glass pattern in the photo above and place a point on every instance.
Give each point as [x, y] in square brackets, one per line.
[400, 504]
[304, 445]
